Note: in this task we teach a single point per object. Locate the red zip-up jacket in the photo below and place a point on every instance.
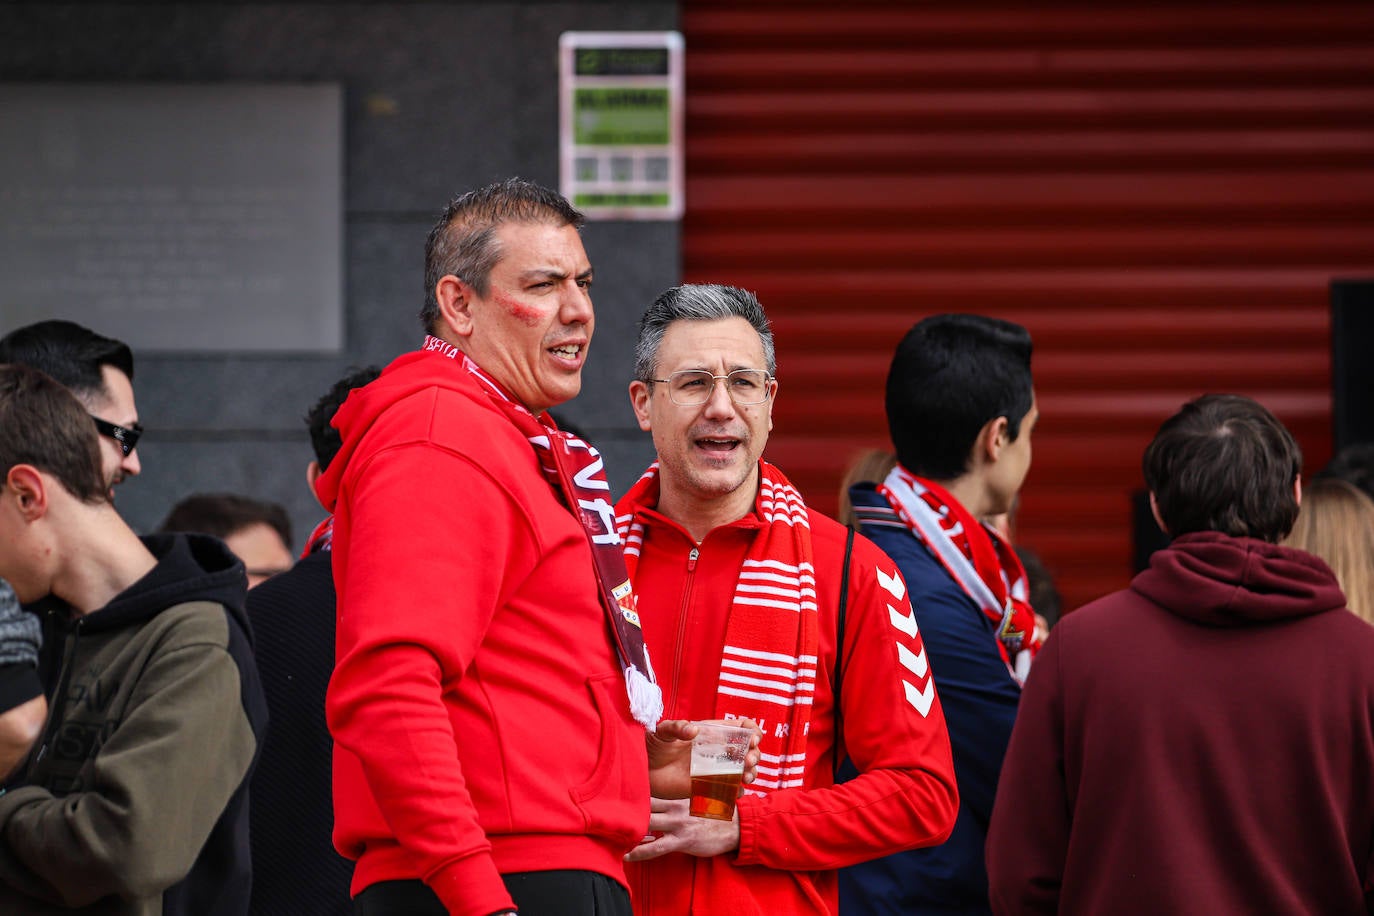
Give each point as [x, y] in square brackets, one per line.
[479, 714]
[791, 841]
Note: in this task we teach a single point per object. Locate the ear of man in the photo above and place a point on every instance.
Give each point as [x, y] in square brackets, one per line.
[1154, 510]
[312, 474]
[640, 393]
[992, 439]
[28, 491]
[455, 300]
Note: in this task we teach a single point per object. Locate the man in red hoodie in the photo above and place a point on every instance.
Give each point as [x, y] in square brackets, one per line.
[491, 695]
[1202, 742]
[741, 589]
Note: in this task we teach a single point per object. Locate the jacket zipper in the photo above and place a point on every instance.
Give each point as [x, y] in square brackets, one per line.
[645, 891]
[682, 617]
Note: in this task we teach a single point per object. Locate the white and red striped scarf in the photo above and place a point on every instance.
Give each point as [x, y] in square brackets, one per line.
[975, 556]
[575, 471]
[768, 663]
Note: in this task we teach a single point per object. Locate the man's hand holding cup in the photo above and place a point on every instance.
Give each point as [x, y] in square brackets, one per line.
[671, 754]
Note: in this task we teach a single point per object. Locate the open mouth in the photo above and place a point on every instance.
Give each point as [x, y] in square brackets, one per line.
[567, 351]
[717, 445]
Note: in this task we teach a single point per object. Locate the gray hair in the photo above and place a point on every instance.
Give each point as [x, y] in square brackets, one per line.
[463, 242]
[698, 302]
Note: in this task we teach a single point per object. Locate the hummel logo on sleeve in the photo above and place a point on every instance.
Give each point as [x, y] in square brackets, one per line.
[903, 618]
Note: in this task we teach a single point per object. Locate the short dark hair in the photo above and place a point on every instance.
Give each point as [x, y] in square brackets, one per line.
[1224, 463]
[1355, 465]
[44, 425]
[952, 374]
[698, 302]
[223, 514]
[70, 353]
[325, 439]
[463, 241]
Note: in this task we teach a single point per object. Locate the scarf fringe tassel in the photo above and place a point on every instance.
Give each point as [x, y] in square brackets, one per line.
[646, 699]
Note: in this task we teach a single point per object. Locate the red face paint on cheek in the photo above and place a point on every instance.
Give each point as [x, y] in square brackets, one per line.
[528, 315]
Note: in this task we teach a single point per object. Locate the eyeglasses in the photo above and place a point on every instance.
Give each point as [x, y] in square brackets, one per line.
[126, 436]
[694, 387]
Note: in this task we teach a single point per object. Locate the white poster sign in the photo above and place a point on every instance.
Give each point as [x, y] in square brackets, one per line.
[620, 107]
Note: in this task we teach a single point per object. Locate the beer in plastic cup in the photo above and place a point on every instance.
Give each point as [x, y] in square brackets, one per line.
[718, 769]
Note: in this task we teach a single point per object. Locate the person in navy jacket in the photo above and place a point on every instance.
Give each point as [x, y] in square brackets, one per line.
[960, 409]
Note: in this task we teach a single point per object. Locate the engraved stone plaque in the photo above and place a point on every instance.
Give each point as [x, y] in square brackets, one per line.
[183, 218]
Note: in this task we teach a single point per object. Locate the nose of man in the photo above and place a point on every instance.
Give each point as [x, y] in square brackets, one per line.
[720, 405]
[576, 307]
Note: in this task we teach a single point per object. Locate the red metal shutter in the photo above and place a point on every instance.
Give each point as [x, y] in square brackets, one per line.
[1161, 194]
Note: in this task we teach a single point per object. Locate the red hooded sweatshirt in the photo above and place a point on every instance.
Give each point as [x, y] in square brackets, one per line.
[478, 708]
[1202, 742]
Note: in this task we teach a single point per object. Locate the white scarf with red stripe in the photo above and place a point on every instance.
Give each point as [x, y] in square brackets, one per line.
[768, 664]
[975, 556]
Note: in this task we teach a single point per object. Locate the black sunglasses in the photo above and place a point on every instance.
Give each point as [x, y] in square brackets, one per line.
[126, 436]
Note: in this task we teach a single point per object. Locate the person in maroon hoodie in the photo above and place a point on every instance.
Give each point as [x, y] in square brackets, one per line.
[1203, 741]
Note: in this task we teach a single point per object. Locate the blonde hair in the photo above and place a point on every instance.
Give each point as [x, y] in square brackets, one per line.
[871, 464]
[1336, 523]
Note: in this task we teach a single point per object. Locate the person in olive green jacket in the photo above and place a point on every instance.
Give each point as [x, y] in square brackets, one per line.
[134, 800]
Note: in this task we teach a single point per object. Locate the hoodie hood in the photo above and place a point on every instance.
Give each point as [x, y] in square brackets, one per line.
[408, 374]
[1218, 580]
[190, 567]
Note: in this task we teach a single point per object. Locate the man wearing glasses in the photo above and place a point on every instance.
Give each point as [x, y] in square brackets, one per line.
[740, 591]
[100, 372]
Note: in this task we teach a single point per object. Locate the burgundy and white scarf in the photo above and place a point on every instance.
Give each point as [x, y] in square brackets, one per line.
[768, 665]
[576, 473]
[975, 556]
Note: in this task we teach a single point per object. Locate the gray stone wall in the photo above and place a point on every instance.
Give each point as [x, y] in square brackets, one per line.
[439, 98]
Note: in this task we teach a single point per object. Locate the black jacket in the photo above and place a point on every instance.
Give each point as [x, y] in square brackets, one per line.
[296, 871]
